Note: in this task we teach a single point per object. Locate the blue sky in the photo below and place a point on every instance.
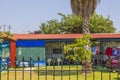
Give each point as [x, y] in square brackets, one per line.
[26, 15]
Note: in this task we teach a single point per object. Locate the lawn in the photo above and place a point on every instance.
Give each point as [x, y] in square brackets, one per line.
[55, 73]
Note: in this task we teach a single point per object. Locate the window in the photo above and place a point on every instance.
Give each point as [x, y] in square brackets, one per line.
[57, 51]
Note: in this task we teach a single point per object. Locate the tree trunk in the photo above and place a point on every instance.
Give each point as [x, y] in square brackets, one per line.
[85, 25]
[87, 66]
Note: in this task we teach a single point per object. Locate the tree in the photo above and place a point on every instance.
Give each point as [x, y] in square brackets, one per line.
[78, 48]
[80, 51]
[52, 26]
[84, 8]
[99, 24]
[73, 24]
[5, 35]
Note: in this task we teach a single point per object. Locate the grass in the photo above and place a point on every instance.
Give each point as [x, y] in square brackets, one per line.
[54, 73]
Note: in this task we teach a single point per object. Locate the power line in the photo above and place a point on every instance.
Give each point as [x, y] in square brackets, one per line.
[4, 27]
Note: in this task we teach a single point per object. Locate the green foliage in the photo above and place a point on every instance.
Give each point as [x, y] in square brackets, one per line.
[3, 34]
[79, 48]
[70, 24]
[73, 24]
[1, 39]
[99, 24]
[8, 33]
[51, 26]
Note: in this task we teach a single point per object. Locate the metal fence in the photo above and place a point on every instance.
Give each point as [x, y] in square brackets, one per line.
[58, 69]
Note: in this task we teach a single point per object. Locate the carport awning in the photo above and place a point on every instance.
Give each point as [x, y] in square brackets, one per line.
[60, 40]
[109, 40]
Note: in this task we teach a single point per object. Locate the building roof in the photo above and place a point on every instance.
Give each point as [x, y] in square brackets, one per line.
[64, 36]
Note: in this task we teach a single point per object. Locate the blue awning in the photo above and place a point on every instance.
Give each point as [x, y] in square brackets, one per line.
[30, 43]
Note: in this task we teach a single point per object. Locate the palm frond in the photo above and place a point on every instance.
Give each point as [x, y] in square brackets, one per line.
[84, 7]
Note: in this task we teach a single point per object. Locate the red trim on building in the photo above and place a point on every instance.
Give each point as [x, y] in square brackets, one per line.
[12, 53]
[64, 36]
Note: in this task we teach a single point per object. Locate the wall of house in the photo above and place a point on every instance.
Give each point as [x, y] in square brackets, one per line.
[43, 49]
[31, 52]
[30, 48]
[54, 49]
[5, 50]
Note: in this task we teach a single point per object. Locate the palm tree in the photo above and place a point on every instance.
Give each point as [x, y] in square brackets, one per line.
[84, 8]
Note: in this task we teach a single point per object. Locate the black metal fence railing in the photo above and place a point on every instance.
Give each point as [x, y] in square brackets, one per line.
[59, 69]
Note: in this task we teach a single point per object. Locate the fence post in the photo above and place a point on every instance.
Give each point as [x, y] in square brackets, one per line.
[46, 70]
[23, 68]
[38, 67]
[69, 66]
[61, 67]
[15, 67]
[77, 60]
[31, 68]
[0, 67]
[0, 64]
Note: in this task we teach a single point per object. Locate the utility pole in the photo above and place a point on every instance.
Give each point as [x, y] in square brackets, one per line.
[4, 27]
[0, 28]
[9, 28]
